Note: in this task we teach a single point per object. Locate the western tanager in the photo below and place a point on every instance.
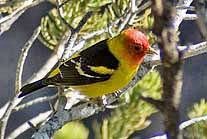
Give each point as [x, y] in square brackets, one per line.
[103, 68]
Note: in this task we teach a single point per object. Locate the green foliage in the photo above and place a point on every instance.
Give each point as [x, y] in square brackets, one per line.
[198, 109]
[72, 130]
[145, 23]
[53, 28]
[199, 129]
[133, 115]
[10, 8]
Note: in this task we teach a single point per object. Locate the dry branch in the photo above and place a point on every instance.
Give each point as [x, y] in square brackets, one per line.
[25, 126]
[50, 63]
[35, 101]
[184, 125]
[74, 35]
[15, 101]
[22, 58]
[164, 13]
[7, 21]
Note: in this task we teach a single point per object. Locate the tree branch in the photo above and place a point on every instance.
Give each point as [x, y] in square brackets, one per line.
[73, 36]
[40, 74]
[3, 121]
[22, 59]
[180, 13]
[25, 126]
[15, 101]
[131, 14]
[7, 21]
[189, 51]
[60, 13]
[10, 3]
[184, 125]
[61, 117]
[35, 101]
[164, 13]
[50, 63]
[192, 121]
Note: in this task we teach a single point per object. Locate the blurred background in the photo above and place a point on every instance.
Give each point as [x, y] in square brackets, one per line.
[12, 41]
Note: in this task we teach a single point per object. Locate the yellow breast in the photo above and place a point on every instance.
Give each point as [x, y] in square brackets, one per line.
[118, 80]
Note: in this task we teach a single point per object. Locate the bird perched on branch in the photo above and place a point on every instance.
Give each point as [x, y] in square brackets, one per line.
[103, 68]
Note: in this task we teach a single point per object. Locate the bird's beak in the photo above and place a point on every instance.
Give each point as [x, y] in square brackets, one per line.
[150, 50]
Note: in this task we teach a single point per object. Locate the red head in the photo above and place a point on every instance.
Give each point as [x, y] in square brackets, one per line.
[137, 45]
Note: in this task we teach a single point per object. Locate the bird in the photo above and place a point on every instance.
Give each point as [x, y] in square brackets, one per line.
[100, 69]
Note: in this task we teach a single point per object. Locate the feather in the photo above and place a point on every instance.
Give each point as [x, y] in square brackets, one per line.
[27, 89]
[95, 64]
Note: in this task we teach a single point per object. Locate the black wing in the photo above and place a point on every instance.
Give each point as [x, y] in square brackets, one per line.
[78, 71]
[102, 55]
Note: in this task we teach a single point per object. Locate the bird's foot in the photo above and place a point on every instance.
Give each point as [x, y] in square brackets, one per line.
[97, 100]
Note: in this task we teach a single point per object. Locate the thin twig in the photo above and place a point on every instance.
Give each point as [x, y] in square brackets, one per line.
[63, 3]
[131, 14]
[40, 74]
[22, 58]
[159, 137]
[80, 43]
[83, 21]
[10, 3]
[50, 63]
[180, 13]
[7, 24]
[190, 17]
[189, 51]
[15, 101]
[83, 39]
[184, 125]
[74, 31]
[7, 21]
[192, 121]
[157, 103]
[3, 109]
[3, 121]
[60, 12]
[196, 49]
[191, 8]
[35, 101]
[73, 37]
[201, 21]
[133, 5]
[24, 127]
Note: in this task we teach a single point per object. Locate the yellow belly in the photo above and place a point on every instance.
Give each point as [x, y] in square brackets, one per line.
[118, 80]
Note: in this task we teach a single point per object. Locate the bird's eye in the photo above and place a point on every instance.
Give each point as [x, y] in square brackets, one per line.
[137, 48]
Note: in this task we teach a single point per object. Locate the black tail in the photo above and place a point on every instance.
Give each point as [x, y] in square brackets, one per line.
[29, 88]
